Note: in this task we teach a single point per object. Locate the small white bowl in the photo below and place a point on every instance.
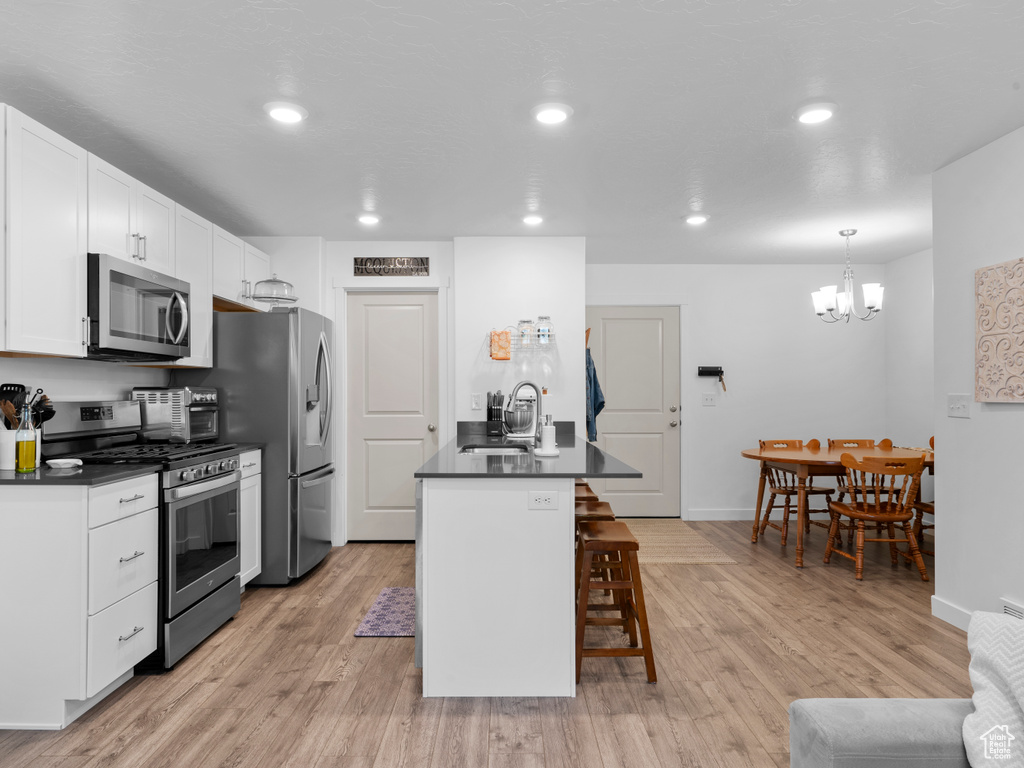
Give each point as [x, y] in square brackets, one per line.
[63, 463]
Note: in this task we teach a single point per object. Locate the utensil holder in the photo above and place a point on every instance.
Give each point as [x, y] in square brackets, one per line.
[7, 449]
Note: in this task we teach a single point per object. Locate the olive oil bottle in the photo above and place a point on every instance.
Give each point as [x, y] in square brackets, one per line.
[25, 443]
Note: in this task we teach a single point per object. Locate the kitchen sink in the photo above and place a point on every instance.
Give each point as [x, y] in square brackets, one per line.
[496, 450]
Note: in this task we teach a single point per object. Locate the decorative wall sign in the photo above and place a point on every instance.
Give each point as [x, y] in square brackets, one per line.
[391, 266]
[999, 333]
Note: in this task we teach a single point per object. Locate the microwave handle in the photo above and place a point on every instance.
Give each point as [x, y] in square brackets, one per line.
[184, 317]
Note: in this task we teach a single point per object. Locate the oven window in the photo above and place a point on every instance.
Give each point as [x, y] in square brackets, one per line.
[205, 537]
[202, 422]
[139, 310]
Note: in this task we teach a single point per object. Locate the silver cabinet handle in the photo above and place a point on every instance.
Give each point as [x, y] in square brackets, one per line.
[250, 464]
[673, 423]
[431, 428]
[129, 559]
[143, 249]
[136, 497]
[135, 245]
[672, 408]
[85, 331]
[134, 632]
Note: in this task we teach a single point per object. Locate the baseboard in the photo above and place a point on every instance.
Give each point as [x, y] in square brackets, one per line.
[701, 515]
[949, 613]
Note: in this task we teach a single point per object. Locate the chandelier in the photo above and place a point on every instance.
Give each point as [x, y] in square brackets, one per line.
[832, 306]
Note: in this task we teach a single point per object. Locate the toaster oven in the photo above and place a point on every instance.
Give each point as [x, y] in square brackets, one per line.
[178, 414]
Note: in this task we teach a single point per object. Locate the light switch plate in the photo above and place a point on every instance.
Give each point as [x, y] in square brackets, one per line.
[709, 399]
[958, 406]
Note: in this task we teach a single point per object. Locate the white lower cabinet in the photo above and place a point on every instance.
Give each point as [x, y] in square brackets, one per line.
[79, 569]
[251, 554]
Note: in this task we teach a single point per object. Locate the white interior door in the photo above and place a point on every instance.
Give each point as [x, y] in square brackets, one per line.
[392, 409]
[636, 356]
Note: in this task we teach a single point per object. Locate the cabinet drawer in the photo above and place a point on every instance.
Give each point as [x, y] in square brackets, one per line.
[122, 558]
[120, 637]
[108, 503]
[251, 463]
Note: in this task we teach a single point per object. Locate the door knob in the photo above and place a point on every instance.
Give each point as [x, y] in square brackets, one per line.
[431, 428]
[672, 408]
[673, 423]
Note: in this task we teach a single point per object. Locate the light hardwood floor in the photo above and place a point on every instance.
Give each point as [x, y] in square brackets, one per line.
[286, 683]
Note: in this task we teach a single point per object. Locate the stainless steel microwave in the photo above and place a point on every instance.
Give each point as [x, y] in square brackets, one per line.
[134, 313]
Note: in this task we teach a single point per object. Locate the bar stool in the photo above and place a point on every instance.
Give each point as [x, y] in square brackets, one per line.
[585, 493]
[611, 538]
[592, 512]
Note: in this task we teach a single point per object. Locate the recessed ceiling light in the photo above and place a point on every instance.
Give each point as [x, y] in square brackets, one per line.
[816, 112]
[696, 219]
[284, 112]
[552, 113]
[369, 219]
[533, 220]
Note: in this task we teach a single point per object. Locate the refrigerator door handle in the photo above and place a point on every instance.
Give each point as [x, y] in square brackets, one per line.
[327, 413]
[318, 479]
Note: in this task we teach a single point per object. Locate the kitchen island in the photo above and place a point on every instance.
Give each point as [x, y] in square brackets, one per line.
[494, 564]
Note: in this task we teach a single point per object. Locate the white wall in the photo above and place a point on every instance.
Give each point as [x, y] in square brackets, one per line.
[977, 203]
[788, 374]
[909, 363]
[500, 280]
[909, 355]
[69, 379]
[299, 261]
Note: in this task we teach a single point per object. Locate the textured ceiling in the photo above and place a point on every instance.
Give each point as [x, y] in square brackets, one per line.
[420, 110]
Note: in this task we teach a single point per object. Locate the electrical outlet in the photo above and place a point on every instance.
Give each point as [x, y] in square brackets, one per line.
[477, 402]
[958, 406]
[543, 500]
[709, 399]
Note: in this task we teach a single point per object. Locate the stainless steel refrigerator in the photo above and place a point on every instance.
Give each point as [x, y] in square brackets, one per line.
[273, 373]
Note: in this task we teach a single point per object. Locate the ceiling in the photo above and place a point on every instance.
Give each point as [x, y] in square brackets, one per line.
[420, 110]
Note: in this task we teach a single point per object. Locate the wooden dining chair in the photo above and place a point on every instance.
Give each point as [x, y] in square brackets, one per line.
[783, 483]
[882, 491]
[841, 490]
[922, 508]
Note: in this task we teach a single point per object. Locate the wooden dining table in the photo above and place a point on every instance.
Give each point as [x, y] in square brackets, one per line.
[815, 462]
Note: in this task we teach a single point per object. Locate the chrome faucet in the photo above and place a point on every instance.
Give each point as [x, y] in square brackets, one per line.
[536, 410]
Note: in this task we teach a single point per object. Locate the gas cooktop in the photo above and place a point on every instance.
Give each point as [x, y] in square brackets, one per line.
[152, 453]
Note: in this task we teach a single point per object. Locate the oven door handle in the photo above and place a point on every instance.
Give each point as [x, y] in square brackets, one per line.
[176, 494]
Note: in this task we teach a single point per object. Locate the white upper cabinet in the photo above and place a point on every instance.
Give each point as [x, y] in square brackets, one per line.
[237, 267]
[129, 220]
[193, 244]
[257, 267]
[45, 240]
[228, 266]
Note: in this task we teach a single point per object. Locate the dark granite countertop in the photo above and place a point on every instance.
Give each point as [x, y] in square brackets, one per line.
[576, 458]
[90, 474]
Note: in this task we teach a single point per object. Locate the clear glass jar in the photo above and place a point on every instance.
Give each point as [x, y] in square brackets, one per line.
[525, 333]
[545, 330]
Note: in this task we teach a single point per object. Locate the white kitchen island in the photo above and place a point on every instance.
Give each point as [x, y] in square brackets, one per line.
[494, 568]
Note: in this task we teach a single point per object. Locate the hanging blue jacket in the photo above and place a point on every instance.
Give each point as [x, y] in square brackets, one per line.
[595, 398]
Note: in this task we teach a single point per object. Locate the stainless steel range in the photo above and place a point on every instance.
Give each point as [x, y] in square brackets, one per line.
[199, 520]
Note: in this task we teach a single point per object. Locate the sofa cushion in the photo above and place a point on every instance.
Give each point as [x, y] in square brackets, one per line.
[994, 733]
[877, 733]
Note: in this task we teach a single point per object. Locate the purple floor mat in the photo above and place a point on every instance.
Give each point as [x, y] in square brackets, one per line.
[393, 614]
